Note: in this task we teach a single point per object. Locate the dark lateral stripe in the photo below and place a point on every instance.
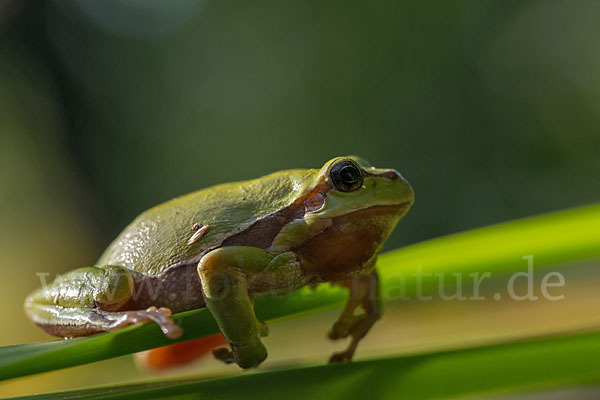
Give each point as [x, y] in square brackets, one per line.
[262, 233]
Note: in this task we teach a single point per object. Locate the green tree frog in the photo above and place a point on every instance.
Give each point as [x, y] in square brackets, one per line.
[218, 247]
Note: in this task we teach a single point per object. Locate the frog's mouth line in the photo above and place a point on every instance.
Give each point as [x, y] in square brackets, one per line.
[400, 208]
[404, 206]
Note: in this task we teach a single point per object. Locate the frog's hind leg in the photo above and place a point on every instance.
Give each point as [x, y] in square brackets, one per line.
[87, 300]
[364, 293]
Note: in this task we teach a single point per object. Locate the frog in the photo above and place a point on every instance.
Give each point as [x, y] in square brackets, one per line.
[219, 247]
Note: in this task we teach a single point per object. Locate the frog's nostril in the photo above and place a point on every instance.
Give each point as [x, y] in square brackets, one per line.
[391, 174]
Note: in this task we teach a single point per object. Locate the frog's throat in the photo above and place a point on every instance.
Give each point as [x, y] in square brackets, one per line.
[343, 248]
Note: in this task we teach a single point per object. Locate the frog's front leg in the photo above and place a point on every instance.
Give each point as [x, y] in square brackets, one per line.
[364, 293]
[87, 300]
[226, 275]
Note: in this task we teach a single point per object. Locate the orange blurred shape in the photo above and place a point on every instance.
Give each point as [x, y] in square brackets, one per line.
[179, 354]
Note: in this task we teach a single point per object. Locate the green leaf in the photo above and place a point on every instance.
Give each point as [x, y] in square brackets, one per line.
[552, 238]
[26, 359]
[532, 364]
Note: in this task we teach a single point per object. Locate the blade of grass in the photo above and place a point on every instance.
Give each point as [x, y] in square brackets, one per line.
[554, 238]
[31, 358]
[533, 364]
[551, 239]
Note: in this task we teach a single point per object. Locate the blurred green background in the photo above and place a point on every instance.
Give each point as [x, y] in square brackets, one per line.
[491, 109]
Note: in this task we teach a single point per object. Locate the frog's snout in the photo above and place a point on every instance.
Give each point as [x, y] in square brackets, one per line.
[408, 193]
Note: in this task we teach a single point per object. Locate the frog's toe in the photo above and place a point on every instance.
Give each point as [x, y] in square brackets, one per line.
[342, 356]
[246, 356]
[162, 316]
[355, 326]
[224, 354]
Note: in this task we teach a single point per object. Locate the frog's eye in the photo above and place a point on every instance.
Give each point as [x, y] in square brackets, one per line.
[346, 176]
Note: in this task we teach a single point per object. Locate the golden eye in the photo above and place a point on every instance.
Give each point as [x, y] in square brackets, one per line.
[346, 176]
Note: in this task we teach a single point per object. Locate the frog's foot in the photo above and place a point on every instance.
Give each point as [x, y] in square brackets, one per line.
[245, 355]
[224, 354]
[356, 327]
[249, 355]
[162, 316]
[342, 356]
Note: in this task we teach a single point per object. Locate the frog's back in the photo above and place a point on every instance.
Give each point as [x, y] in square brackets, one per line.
[158, 238]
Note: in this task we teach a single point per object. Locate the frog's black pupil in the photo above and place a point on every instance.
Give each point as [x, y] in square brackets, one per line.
[349, 174]
[346, 176]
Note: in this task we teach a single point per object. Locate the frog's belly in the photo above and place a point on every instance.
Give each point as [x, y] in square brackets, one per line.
[179, 289]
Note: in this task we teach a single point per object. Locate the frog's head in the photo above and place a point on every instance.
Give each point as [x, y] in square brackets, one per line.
[352, 184]
[349, 211]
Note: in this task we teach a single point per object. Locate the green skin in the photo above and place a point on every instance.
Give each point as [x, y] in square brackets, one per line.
[269, 235]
